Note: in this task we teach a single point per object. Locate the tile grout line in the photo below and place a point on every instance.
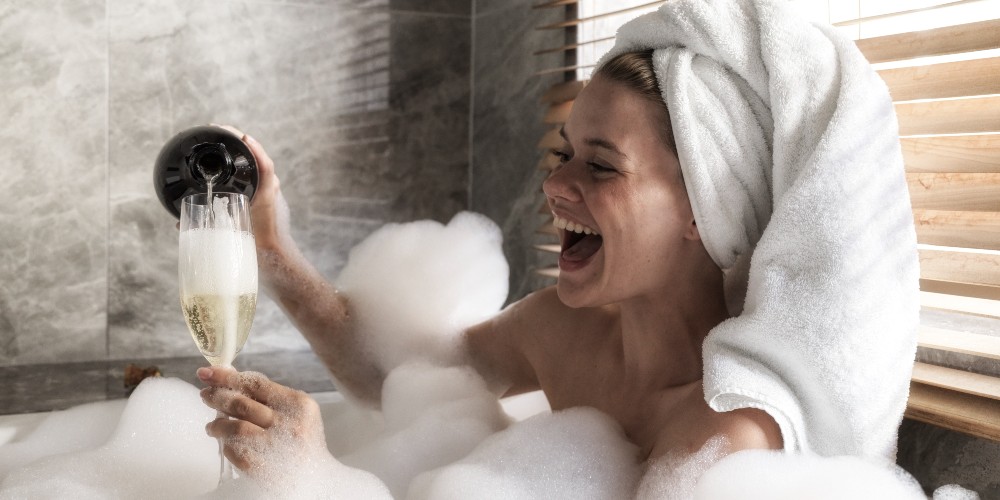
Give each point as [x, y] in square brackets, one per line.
[472, 99]
[107, 179]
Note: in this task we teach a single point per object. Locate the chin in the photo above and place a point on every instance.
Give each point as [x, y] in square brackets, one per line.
[572, 296]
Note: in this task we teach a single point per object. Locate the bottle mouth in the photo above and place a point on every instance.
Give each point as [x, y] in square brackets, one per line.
[211, 162]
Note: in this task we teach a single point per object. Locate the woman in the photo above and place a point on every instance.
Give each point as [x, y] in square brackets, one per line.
[638, 290]
[722, 148]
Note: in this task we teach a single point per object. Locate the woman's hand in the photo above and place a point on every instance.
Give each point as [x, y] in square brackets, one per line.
[273, 426]
[269, 211]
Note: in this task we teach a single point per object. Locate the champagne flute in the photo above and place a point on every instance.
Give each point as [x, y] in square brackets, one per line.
[218, 278]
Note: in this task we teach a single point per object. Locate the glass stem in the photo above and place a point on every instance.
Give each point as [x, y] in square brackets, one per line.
[225, 468]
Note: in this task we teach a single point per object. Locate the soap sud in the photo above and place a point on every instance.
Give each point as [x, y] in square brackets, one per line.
[440, 435]
[415, 287]
[79, 428]
[158, 450]
[432, 416]
[675, 474]
[578, 453]
[774, 475]
[954, 492]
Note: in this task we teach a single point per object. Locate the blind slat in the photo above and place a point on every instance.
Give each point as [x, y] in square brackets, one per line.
[952, 116]
[553, 3]
[968, 306]
[575, 22]
[551, 139]
[960, 289]
[957, 153]
[563, 92]
[957, 380]
[964, 267]
[548, 229]
[547, 162]
[958, 229]
[967, 192]
[961, 412]
[851, 22]
[937, 81]
[983, 35]
[960, 342]
[558, 113]
[549, 272]
[572, 46]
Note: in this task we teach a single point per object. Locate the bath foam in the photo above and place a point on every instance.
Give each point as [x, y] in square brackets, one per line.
[675, 475]
[579, 453]
[414, 287]
[954, 492]
[158, 450]
[774, 475]
[76, 429]
[431, 417]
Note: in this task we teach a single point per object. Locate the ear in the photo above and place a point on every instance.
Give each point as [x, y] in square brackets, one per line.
[691, 233]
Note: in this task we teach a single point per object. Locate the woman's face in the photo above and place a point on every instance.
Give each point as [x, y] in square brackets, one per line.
[618, 177]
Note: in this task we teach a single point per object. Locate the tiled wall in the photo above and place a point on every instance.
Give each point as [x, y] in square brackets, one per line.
[507, 125]
[364, 106]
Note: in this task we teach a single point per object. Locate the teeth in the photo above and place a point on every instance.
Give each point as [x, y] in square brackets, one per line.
[574, 227]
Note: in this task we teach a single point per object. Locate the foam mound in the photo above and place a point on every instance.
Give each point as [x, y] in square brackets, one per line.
[414, 287]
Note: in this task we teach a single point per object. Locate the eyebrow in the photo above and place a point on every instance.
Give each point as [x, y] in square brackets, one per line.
[600, 143]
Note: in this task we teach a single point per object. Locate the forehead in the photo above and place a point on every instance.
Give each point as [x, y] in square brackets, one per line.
[609, 110]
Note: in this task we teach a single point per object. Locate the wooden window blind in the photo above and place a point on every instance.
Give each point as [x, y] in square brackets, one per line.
[941, 62]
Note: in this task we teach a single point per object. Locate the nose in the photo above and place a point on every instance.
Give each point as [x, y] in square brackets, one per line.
[561, 185]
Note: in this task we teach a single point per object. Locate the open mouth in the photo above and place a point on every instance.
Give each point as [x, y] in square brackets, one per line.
[579, 242]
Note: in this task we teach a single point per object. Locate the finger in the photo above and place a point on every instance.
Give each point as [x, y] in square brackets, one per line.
[234, 429]
[238, 457]
[241, 441]
[236, 405]
[265, 165]
[217, 376]
[252, 384]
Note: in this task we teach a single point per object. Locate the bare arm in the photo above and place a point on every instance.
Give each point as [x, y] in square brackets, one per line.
[312, 303]
[496, 347]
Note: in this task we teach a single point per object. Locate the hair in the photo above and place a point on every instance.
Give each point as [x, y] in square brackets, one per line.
[635, 71]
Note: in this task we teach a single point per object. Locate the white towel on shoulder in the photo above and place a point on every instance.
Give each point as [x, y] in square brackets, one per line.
[789, 147]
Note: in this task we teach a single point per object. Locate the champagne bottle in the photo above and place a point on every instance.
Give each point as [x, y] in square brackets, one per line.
[199, 158]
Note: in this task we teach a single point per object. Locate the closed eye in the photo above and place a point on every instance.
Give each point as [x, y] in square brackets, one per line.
[598, 168]
[562, 156]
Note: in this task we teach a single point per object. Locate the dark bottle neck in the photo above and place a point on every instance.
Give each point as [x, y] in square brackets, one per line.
[211, 162]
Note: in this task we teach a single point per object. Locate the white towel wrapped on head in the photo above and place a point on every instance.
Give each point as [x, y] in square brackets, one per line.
[789, 148]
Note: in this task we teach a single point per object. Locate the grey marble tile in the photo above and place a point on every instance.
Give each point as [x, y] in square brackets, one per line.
[294, 76]
[54, 222]
[429, 99]
[507, 124]
[937, 457]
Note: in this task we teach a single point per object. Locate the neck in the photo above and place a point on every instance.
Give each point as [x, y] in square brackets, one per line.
[663, 332]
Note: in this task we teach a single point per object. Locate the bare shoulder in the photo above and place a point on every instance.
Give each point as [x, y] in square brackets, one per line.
[510, 347]
[749, 428]
[693, 424]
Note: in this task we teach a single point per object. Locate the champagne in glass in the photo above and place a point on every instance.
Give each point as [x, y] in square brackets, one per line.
[218, 276]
